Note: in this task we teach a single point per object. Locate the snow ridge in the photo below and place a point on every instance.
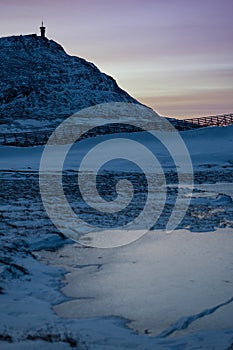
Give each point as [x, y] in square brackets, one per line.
[184, 322]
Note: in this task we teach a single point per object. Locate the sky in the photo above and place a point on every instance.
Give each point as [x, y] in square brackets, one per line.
[175, 56]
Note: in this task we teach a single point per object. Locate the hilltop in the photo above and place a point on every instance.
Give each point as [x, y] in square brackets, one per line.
[40, 84]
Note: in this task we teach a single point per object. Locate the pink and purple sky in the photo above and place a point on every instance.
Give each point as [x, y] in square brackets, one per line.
[173, 55]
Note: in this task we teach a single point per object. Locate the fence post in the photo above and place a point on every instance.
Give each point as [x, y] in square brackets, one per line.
[36, 141]
[5, 139]
[16, 140]
[26, 143]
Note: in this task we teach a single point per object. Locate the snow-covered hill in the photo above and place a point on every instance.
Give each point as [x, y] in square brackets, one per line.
[40, 83]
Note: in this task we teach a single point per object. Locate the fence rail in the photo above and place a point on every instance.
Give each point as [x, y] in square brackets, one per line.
[25, 139]
[36, 138]
[215, 120]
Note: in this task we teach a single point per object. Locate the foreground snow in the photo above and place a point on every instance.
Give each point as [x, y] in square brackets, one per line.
[155, 282]
[164, 291]
[177, 288]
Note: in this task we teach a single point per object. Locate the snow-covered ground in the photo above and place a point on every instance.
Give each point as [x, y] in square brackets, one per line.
[161, 283]
[208, 147]
[164, 291]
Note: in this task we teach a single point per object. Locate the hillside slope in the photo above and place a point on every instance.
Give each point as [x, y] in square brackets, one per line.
[40, 83]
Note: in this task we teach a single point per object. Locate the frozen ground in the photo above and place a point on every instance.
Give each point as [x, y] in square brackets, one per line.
[164, 291]
[158, 283]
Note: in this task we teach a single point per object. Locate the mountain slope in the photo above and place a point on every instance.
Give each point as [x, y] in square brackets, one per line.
[40, 83]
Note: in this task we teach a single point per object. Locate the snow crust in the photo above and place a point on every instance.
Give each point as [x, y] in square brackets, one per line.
[164, 291]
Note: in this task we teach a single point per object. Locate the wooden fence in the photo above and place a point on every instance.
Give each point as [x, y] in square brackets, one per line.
[25, 139]
[215, 120]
